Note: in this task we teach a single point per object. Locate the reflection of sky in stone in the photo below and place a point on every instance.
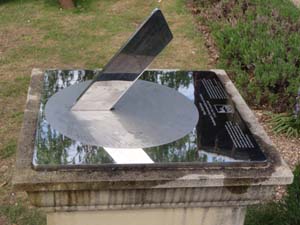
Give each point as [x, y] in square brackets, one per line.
[212, 157]
[73, 152]
[189, 90]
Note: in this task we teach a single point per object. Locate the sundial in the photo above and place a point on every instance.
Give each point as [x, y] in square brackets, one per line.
[115, 109]
[125, 114]
[162, 146]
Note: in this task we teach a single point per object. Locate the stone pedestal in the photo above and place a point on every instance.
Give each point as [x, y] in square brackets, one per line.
[157, 216]
[193, 194]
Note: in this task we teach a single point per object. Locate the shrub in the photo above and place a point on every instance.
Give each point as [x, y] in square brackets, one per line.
[290, 206]
[284, 212]
[18, 214]
[286, 124]
[259, 44]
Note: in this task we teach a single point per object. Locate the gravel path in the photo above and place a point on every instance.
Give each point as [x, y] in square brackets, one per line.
[289, 148]
[296, 2]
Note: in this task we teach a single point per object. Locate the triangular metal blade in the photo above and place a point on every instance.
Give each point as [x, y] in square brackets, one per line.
[127, 65]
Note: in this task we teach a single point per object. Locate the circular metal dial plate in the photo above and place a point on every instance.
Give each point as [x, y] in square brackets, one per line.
[148, 115]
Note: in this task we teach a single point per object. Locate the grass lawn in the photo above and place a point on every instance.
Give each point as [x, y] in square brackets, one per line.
[36, 33]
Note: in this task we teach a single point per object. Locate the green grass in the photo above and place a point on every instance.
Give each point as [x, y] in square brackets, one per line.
[90, 34]
[286, 124]
[8, 150]
[263, 215]
[21, 215]
[284, 212]
[14, 88]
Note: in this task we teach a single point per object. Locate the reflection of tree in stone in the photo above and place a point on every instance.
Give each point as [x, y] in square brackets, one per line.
[182, 150]
[52, 147]
[92, 155]
[172, 79]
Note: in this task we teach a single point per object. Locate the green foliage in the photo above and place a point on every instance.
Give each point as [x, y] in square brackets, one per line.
[268, 214]
[290, 207]
[259, 44]
[285, 212]
[286, 124]
[8, 150]
[20, 215]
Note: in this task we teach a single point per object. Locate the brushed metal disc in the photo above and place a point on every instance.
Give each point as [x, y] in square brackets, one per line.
[148, 115]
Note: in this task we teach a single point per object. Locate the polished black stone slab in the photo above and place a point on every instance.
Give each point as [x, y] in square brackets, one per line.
[220, 136]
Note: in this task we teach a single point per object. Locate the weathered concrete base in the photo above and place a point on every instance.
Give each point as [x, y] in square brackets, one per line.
[183, 194]
[158, 216]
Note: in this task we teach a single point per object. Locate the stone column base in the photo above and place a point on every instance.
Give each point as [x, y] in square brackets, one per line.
[158, 216]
